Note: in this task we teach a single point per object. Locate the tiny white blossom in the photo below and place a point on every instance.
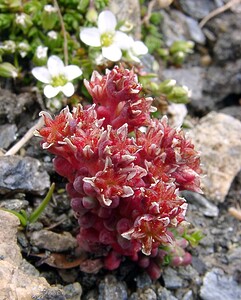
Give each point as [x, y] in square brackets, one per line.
[20, 19]
[106, 36]
[57, 77]
[41, 52]
[50, 8]
[52, 35]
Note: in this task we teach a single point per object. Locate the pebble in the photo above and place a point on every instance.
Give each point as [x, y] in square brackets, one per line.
[52, 241]
[22, 174]
[7, 135]
[217, 285]
[111, 289]
[207, 208]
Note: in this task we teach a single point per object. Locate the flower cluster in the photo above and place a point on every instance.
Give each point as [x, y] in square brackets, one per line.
[112, 41]
[124, 171]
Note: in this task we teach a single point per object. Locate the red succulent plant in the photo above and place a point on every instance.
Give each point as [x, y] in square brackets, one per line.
[124, 172]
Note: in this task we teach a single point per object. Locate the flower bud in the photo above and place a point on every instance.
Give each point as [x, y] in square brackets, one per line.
[178, 95]
[167, 86]
[9, 47]
[49, 17]
[8, 70]
[40, 56]
[23, 48]
[23, 21]
[92, 15]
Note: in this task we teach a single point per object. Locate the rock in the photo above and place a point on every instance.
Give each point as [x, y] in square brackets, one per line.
[175, 26]
[171, 279]
[143, 280]
[15, 283]
[208, 209]
[73, 291]
[219, 82]
[164, 294]
[22, 174]
[217, 285]
[7, 135]
[233, 111]
[14, 204]
[52, 241]
[128, 11]
[218, 137]
[53, 294]
[111, 289]
[12, 105]
[197, 9]
[226, 28]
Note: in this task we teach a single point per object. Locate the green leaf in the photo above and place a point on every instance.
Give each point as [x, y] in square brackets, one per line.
[37, 212]
[22, 216]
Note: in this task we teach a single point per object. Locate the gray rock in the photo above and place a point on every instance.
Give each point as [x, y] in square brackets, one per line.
[171, 279]
[52, 241]
[73, 291]
[218, 137]
[208, 209]
[14, 204]
[176, 26]
[111, 289]
[128, 11]
[12, 105]
[226, 30]
[233, 111]
[197, 9]
[143, 280]
[164, 294]
[217, 285]
[7, 135]
[22, 174]
[219, 82]
[50, 294]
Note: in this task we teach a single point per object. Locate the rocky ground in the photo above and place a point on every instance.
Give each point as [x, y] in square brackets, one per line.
[28, 268]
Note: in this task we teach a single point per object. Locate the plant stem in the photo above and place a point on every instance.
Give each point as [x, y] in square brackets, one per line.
[28, 135]
[218, 11]
[64, 32]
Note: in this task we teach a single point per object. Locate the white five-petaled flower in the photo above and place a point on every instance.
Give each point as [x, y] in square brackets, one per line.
[106, 36]
[57, 76]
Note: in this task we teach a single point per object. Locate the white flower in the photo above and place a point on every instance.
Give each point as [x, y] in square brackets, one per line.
[135, 49]
[20, 19]
[50, 8]
[57, 76]
[41, 52]
[52, 35]
[106, 37]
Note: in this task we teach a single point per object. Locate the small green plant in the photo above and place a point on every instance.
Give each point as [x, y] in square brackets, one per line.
[26, 219]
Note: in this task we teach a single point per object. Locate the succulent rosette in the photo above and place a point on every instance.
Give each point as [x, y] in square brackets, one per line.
[124, 171]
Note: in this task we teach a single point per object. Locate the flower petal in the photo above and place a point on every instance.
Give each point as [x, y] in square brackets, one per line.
[68, 89]
[113, 53]
[139, 48]
[50, 91]
[90, 36]
[42, 74]
[71, 72]
[106, 21]
[55, 65]
[122, 40]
